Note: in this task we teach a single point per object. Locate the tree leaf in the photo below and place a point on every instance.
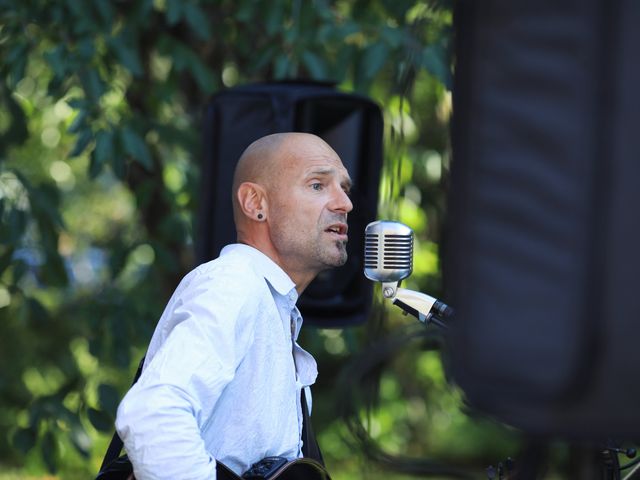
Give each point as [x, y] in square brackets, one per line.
[281, 69]
[81, 441]
[435, 61]
[17, 132]
[202, 74]
[82, 142]
[105, 10]
[92, 83]
[6, 258]
[273, 18]
[109, 398]
[49, 450]
[124, 48]
[102, 152]
[315, 65]
[374, 59]
[38, 315]
[135, 146]
[86, 48]
[13, 226]
[197, 20]
[56, 58]
[100, 420]
[79, 122]
[24, 439]
[174, 11]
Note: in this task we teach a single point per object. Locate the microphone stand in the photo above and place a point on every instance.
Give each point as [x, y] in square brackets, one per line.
[422, 306]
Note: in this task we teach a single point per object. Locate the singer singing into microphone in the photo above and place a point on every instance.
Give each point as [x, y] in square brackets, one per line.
[223, 376]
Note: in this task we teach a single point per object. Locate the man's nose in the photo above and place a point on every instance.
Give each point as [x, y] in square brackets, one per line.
[342, 202]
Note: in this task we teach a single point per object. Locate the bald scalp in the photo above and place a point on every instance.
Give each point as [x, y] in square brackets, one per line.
[261, 161]
[257, 160]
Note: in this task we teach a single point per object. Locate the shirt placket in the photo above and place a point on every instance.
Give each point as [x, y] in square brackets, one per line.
[292, 323]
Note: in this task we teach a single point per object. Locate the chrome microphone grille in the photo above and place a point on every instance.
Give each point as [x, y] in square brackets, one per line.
[388, 251]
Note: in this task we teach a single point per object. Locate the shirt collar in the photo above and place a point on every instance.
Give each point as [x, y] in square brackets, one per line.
[271, 271]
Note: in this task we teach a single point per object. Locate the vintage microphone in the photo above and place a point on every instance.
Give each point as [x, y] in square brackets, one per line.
[388, 258]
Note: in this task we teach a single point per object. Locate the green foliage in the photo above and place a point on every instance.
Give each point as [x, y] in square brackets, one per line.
[99, 150]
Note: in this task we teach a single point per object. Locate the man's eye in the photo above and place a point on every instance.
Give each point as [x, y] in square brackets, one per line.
[316, 186]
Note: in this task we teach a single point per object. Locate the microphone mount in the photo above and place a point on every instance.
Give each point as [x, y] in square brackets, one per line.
[420, 305]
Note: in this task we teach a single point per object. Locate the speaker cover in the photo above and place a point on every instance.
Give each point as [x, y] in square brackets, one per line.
[351, 124]
[543, 235]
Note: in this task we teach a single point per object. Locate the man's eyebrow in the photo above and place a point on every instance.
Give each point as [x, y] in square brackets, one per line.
[321, 171]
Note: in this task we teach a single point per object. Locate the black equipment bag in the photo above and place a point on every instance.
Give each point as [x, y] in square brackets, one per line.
[350, 123]
[543, 237]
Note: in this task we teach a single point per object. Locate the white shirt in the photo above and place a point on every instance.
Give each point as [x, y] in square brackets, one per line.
[219, 380]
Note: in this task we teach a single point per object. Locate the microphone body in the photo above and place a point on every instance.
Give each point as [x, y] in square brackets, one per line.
[388, 259]
[388, 251]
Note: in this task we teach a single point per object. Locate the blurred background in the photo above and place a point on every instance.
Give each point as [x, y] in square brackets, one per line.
[101, 110]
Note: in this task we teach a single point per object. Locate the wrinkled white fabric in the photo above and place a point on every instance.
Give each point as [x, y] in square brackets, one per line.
[219, 381]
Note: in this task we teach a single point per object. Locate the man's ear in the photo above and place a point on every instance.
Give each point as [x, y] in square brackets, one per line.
[252, 200]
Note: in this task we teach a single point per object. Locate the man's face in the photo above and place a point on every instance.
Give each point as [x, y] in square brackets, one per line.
[308, 208]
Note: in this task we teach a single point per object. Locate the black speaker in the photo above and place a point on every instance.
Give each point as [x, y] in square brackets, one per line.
[350, 123]
[542, 235]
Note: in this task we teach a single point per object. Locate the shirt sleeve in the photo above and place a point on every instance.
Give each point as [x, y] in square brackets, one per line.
[162, 415]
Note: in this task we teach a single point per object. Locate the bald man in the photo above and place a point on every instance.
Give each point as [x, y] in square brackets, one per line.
[223, 375]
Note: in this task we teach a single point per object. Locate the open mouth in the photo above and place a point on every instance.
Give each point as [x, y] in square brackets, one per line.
[338, 229]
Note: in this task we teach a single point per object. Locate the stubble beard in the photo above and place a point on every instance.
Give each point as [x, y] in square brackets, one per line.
[333, 259]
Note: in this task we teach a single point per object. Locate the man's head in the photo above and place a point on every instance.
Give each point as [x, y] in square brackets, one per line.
[291, 202]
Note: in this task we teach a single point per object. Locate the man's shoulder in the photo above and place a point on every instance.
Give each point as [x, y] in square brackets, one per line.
[230, 267]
